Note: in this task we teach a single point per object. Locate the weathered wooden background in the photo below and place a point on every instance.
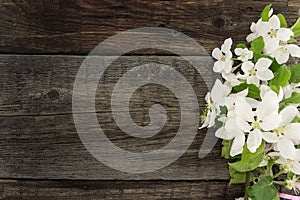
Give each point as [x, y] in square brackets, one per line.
[42, 44]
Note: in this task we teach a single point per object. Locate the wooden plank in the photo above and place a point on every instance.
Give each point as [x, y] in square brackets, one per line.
[77, 26]
[38, 136]
[48, 147]
[39, 85]
[73, 190]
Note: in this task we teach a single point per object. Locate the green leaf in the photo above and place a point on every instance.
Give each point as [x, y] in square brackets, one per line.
[295, 73]
[296, 28]
[249, 161]
[263, 190]
[294, 99]
[242, 46]
[265, 13]
[226, 146]
[238, 177]
[253, 90]
[296, 120]
[283, 23]
[257, 45]
[281, 78]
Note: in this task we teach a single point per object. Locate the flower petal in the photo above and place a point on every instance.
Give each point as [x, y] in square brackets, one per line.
[254, 140]
[265, 75]
[243, 109]
[286, 148]
[270, 137]
[253, 80]
[292, 131]
[284, 34]
[218, 93]
[218, 66]
[270, 121]
[227, 45]
[237, 145]
[224, 134]
[288, 114]
[294, 50]
[296, 167]
[217, 53]
[263, 64]
[246, 66]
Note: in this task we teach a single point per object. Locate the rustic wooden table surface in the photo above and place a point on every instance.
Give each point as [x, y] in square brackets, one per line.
[42, 44]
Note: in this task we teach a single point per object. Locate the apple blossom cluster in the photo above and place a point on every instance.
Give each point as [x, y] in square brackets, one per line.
[255, 109]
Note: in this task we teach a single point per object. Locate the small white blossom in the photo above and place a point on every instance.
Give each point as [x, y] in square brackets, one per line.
[224, 57]
[243, 54]
[260, 71]
[282, 54]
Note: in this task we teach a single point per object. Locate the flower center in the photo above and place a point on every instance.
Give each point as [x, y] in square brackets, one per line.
[273, 33]
[223, 57]
[252, 71]
[284, 50]
[280, 131]
[255, 125]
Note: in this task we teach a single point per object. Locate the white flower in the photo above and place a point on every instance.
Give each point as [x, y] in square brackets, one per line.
[224, 57]
[214, 100]
[244, 54]
[287, 134]
[286, 164]
[259, 122]
[260, 71]
[231, 78]
[282, 54]
[290, 88]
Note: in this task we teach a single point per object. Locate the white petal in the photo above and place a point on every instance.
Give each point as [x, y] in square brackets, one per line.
[284, 34]
[218, 66]
[227, 66]
[263, 64]
[217, 53]
[224, 134]
[270, 137]
[218, 93]
[296, 168]
[227, 45]
[271, 44]
[265, 75]
[286, 148]
[288, 114]
[231, 125]
[237, 145]
[270, 122]
[292, 131]
[254, 140]
[242, 124]
[268, 104]
[251, 37]
[238, 51]
[294, 50]
[275, 22]
[212, 119]
[246, 66]
[243, 109]
[253, 80]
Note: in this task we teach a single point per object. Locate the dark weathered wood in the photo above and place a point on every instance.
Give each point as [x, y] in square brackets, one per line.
[38, 136]
[73, 190]
[77, 26]
[38, 85]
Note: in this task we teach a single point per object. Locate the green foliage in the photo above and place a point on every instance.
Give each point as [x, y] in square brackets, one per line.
[296, 28]
[253, 90]
[280, 79]
[226, 146]
[257, 46]
[263, 190]
[242, 46]
[265, 13]
[295, 73]
[249, 161]
[283, 23]
[294, 99]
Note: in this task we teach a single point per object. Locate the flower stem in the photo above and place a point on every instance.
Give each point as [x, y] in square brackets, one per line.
[247, 184]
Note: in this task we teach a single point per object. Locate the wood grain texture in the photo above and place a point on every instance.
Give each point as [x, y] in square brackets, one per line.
[77, 26]
[38, 136]
[78, 190]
